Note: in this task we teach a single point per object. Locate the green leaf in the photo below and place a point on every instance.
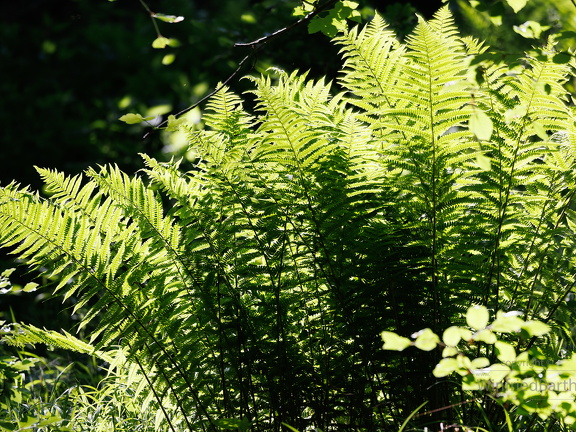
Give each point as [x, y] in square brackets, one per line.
[515, 113]
[407, 419]
[449, 351]
[539, 129]
[465, 334]
[168, 18]
[445, 367]
[327, 26]
[451, 336]
[426, 340]
[160, 42]
[335, 20]
[477, 317]
[486, 336]
[464, 364]
[10, 426]
[566, 35]
[483, 162]
[174, 123]
[517, 5]
[304, 9]
[50, 420]
[6, 273]
[505, 352]
[479, 363]
[562, 58]
[28, 421]
[507, 322]
[470, 382]
[350, 4]
[298, 11]
[168, 59]
[134, 118]
[480, 125]
[394, 342]
[536, 328]
[30, 287]
[293, 429]
[530, 29]
[497, 372]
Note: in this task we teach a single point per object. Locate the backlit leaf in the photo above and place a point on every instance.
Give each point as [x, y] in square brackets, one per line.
[168, 18]
[449, 351]
[517, 5]
[30, 287]
[479, 363]
[134, 118]
[497, 372]
[507, 322]
[445, 367]
[168, 59]
[480, 125]
[160, 42]
[486, 336]
[530, 29]
[536, 328]
[426, 339]
[451, 336]
[477, 317]
[505, 352]
[483, 162]
[394, 342]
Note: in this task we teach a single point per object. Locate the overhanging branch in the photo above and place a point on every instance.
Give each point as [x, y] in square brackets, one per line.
[256, 46]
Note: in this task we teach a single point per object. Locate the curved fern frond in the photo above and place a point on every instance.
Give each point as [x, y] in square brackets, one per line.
[372, 59]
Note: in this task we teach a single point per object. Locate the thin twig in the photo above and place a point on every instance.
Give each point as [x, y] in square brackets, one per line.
[446, 407]
[266, 39]
[209, 95]
[256, 46]
[145, 6]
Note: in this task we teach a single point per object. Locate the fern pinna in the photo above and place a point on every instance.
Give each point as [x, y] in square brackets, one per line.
[251, 288]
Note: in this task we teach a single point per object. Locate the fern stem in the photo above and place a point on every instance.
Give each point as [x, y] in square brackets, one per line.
[158, 397]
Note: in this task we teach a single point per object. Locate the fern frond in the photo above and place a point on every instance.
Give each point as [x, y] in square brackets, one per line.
[23, 334]
[372, 59]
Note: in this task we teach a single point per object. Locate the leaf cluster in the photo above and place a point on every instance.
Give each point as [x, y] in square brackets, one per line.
[527, 379]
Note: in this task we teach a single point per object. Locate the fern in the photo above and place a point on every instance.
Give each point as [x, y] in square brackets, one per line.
[251, 288]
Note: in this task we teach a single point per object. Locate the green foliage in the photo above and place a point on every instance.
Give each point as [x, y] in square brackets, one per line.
[331, 22]
[515, 26]
[249, 289]
[529, 380]
[24, 404]
[46, 396]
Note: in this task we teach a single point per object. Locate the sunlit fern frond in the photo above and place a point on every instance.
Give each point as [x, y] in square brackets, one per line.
[372, 60]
